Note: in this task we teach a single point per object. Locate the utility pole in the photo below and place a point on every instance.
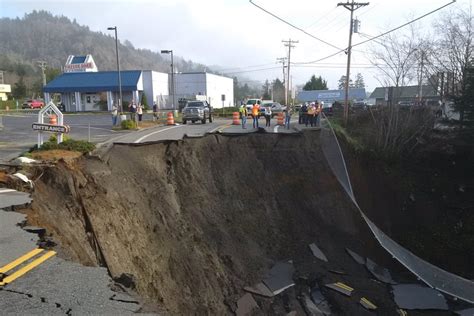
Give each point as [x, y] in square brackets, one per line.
[420, 92]
[351, 6]
[42, 64]
[288, 44]
[283, 61]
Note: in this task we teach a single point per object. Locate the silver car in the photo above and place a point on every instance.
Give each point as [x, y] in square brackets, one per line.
[197, 111]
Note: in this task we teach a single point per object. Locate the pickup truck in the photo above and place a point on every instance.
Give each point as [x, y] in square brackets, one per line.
[197, 111]
[250, 103]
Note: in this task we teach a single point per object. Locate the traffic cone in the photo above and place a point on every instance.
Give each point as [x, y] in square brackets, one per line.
[170, 119]
[235, 118]
[53, 120]
[280, 119]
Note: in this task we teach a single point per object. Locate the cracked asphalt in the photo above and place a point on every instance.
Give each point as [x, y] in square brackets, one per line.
[57, 286]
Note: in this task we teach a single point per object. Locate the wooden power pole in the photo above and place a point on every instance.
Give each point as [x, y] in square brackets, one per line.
[289, 43]
[351, 6]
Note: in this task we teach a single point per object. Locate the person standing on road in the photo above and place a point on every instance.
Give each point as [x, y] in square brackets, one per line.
[155, 112]
[288, 113]
[140, 111]
[255, 112]
[319, 109]
[304, 114]
[114, 115]
[133, 110]
[268, 115]
[243, 115]
[310, 116]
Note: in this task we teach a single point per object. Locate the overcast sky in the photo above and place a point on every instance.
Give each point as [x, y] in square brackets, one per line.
[238, 36]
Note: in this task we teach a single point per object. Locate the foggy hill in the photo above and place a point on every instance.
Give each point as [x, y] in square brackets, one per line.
[42, 36]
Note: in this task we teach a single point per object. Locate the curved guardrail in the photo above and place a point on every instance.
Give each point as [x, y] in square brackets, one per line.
[432, 275]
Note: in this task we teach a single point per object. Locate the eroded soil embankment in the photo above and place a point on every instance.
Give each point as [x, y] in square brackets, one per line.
[196, 220]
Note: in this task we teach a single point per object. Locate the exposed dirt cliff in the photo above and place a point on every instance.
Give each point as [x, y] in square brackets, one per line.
[194, 221]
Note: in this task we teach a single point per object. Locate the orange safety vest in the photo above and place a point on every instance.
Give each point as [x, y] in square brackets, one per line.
[255, 110]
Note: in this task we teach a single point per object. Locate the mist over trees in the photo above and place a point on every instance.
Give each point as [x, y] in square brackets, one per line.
[40, 35]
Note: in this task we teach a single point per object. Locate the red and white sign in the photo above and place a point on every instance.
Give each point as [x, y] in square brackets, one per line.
[78, 67]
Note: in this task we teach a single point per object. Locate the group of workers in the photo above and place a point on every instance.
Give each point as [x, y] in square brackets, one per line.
[267, 113]
[308, 114]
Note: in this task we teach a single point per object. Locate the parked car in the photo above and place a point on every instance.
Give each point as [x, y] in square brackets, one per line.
[32, 104]
[277, 108]
[327, 108]
[197, 111]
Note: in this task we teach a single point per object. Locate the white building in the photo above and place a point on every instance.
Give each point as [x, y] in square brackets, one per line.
[216, 88]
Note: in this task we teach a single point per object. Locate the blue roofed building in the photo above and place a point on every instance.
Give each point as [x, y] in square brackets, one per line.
[95, 91]
[331, 96]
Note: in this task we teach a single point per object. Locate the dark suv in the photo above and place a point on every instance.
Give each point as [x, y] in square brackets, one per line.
[197, 111]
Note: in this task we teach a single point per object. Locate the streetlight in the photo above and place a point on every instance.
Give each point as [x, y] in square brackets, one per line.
[165, 51]
[118, 68]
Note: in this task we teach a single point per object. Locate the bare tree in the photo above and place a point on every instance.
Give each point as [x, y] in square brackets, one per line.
[453, 52]
[395, 59]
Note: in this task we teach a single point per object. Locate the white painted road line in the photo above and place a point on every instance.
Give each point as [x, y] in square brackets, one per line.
[155, 132]
[275, 129]
[6, 190]
[215, 129]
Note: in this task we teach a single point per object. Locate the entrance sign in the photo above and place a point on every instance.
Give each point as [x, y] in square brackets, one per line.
[50, 128]
[51, 112]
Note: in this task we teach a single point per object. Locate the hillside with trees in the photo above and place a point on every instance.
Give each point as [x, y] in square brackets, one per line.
[42, 36]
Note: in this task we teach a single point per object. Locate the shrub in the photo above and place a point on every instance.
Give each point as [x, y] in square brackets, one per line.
[68, 144]
[128, 124]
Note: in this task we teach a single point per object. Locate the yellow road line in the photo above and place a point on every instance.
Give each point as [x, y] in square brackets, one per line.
[20, 260]
[28, 267]
[369, 303]
[345, 287]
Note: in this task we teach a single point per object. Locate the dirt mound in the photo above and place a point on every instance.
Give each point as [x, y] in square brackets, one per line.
[195, 221]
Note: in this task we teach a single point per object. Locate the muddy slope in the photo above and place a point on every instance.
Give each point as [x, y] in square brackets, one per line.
[196, 220]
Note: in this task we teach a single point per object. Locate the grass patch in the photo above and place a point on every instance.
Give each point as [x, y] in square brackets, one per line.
[128, 124]
[68, 144]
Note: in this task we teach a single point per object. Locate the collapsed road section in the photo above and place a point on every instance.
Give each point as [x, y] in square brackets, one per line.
[193, 224]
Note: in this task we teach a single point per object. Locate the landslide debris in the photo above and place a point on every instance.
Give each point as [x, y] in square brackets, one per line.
[193, 222]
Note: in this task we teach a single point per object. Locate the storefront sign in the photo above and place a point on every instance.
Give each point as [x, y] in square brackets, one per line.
[78, 67]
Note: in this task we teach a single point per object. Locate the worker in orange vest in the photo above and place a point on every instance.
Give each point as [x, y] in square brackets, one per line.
[255, 113]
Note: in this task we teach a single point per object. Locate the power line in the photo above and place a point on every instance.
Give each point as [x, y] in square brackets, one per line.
[403, 25]
[294, 26]
[383, 34]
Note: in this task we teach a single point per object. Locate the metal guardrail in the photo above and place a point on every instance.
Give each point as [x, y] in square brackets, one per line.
[432, 275]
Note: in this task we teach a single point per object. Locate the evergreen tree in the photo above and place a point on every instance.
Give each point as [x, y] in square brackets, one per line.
[342, 83]
[144, 102]
[19, 89]
[359, 82]
[266, 91]
[316, 84]
[278, 91]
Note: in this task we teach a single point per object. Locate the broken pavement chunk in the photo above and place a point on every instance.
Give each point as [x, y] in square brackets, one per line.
[367, 304]
[355, 256]
[381, 274]
[259, 289]
[341, 288]
[415, 296]
[280, 277]
[465, 312]
[320, 301]
[317, 252]
[245, 305]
